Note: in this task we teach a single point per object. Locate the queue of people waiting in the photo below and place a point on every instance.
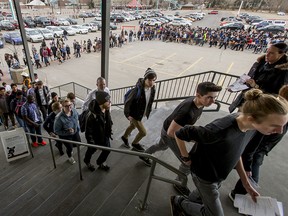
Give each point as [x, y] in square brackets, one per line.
[235, 39]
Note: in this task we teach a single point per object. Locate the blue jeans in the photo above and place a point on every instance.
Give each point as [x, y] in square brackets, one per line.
[208, 192]
[22, 123]
[34, 130]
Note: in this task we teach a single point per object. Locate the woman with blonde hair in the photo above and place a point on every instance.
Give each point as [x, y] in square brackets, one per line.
[257, 148]
[218, 149]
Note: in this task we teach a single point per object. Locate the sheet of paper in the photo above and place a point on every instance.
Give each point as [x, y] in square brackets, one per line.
[239, 84]
[265, 206]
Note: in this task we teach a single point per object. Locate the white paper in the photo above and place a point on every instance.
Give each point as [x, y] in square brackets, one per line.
[265, 206]
[239, 84]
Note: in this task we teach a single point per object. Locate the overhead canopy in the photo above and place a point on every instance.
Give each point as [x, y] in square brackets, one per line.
[134, 4]
[36, 3]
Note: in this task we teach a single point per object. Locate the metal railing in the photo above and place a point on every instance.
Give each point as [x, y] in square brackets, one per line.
[182, 177]
[166, 90]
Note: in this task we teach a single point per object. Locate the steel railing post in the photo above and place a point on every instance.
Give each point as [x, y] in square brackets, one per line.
[52, 152]
[79, 162]
[158, 93]
[148, 185]
[29, 145]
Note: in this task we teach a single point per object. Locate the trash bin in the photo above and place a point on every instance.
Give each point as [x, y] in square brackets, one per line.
[16, 74]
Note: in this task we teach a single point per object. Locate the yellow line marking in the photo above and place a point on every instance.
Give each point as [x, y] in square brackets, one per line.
[143, 68]
[137, 55]
[165, 59]
[221, 82]
[200, 59]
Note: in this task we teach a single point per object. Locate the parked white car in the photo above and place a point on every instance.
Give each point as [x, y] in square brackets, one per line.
[80, 29]
[281, 13]
[69, 29]
[63, 21]
[33, 35]
[57, 32]
[91, 27]
[46, 33]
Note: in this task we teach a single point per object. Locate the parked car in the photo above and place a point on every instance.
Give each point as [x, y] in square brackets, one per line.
[69, 30]
[30, 23]
[256, 22]
[55, 22]
[91, 27]
[57, 32]
[72, 21]
[281, 13]
[63, 21]
[83, 15]
[99, 24]
[46, 33]
[6, 25]
[80, 29]
[2, 40]
[116, 18]
[213, 12]
[13, 37]
[33, 35]
[42, 21]
[112, 26]
[233, 26]
[272, 28]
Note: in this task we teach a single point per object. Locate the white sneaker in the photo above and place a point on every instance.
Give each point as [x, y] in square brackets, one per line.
[71, 160]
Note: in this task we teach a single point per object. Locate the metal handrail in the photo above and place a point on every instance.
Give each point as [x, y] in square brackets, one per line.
[178, 88]
[183, 177]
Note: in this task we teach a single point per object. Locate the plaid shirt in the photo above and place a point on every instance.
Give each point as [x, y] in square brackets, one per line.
[31, 111]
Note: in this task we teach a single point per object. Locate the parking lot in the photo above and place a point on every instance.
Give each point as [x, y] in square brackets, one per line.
[128, 63]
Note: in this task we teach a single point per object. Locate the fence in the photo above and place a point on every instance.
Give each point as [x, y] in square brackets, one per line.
[166, 90]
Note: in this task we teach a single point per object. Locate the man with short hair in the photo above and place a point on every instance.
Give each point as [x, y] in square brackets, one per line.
[186, 113]
[100, 86]
[139, 104]
[42, 96]
[32, 118]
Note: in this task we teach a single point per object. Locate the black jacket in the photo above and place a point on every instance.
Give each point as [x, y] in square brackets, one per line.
[49, 123]
[99, 125]
[135, 106]
[46, 92]
[270, 78]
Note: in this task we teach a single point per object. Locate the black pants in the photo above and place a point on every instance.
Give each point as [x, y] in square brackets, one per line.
[102, 157]
[44, 109]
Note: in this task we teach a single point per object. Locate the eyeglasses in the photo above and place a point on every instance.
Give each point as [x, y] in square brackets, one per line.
[68, 106]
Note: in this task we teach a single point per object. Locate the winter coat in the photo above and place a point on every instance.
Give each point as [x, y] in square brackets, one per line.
[134, 106]
[98, 126]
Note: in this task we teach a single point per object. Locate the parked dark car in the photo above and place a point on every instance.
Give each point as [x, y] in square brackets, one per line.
[6, 25]
[30, 23]
[13, 37]
[83, 15]
[250, 18]
[272, 28]
[42, 21]
[99, 24]
[1, 41]
[262, 24]
[233, 26]
[116, 18]
[72, 21]
[15, 23]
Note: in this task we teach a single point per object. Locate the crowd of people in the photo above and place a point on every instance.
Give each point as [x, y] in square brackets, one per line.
[259, 124]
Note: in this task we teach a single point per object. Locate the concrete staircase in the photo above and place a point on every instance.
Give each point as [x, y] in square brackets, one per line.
[31, 186]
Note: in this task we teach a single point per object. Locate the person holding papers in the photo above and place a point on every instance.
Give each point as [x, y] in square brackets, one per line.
[218, 149]
[269, 73]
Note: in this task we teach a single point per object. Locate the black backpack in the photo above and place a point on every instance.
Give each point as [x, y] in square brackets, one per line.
[83, 117]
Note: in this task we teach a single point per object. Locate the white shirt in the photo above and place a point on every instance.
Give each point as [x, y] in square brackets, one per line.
[147, 96]
[91, 96]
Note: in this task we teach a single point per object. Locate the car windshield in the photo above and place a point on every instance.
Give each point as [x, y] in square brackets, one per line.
[33, 32]
[14, 35]
[56, 29]
[45, 31]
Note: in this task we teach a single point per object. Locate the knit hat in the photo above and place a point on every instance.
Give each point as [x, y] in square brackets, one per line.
[149, 73]
[53, 94]
[102, 97]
